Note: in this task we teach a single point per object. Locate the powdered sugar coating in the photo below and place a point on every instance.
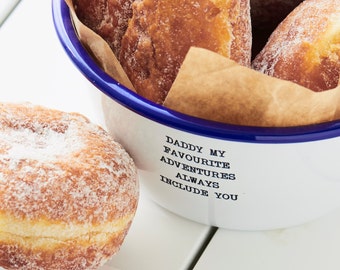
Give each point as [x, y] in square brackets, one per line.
[62, 168]
[160, 34]
[305, 48]
[108, 19]
[265, 17]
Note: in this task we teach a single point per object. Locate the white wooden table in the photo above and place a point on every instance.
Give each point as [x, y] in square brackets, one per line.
[34, 68]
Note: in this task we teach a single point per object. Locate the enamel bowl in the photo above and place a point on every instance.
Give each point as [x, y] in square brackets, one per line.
[229, 176]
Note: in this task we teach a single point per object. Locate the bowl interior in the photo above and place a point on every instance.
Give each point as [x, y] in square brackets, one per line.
[85, 63]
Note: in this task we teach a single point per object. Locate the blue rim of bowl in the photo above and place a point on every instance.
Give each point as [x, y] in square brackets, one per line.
[89, 68]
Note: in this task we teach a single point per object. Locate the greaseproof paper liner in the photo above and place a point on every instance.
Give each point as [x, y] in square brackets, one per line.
[212, 87]
[99, 49]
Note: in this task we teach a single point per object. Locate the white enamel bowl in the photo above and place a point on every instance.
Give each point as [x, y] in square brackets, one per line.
[228, 176]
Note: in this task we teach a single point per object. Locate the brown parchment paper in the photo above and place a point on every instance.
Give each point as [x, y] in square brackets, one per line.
[212, 87]
[99, 49]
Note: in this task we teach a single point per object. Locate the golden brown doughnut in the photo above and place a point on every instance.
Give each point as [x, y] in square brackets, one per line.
[305, 48]
[265, 17]
[108, 19]
[160, 34]
[68, 192]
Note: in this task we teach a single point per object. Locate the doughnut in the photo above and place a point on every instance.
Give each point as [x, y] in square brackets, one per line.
[108, 19]
[160, 34]
[265, 17]
[305, 48]
[68, 191]
[269, 13]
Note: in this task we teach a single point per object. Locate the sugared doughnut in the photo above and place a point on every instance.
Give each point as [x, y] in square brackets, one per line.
[305, 47]
[160, 34]
[269, 13]
[68, 192]
[265, 17]
[108, 19]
